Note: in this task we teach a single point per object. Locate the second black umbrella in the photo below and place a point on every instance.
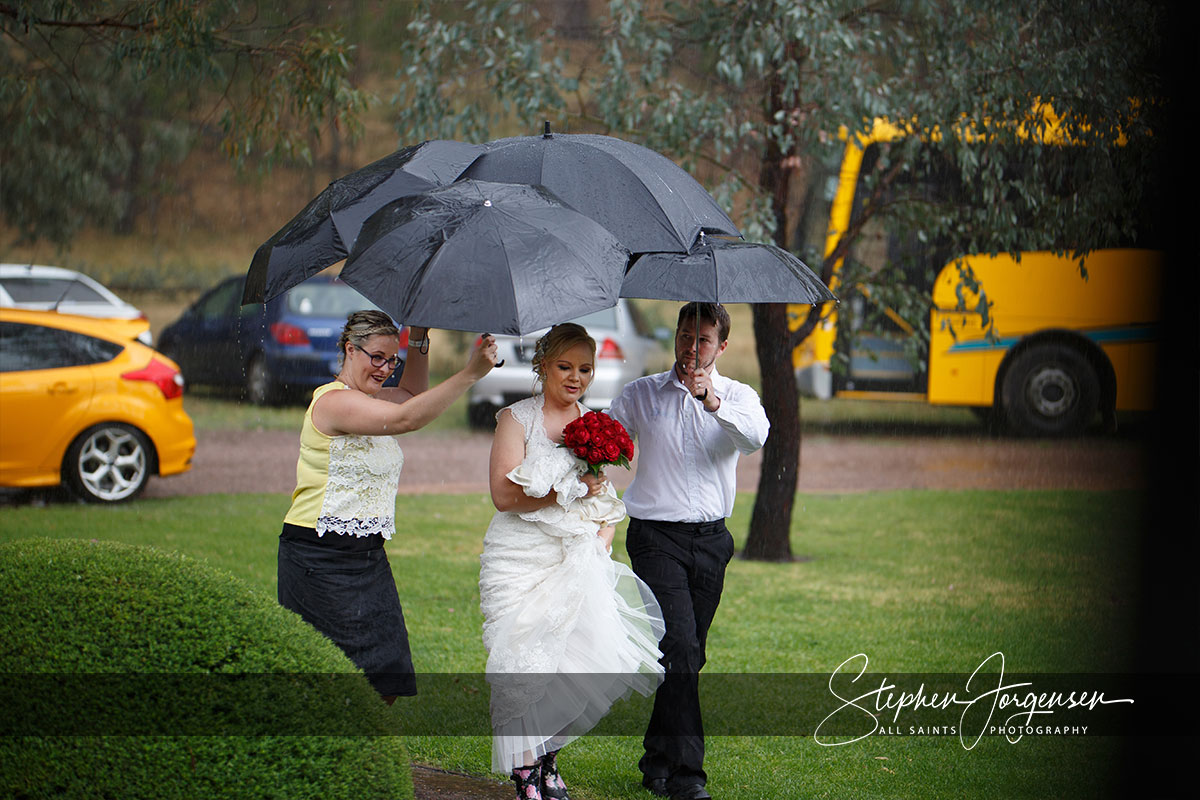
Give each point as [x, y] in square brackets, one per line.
[481, 256]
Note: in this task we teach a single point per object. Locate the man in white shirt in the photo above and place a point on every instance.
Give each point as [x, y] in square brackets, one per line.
[691, 424]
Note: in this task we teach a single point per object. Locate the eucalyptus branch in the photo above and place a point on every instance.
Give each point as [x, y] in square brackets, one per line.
[878, 7]
[8, 10]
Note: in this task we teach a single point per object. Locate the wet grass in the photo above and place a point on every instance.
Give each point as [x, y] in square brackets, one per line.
[921, 582]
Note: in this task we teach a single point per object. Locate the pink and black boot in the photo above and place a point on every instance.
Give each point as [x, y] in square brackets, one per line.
[553, 787]
[528, 781]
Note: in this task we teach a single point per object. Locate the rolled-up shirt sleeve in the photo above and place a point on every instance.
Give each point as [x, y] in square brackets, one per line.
[687, 457]
[622, 411]
[742, 418]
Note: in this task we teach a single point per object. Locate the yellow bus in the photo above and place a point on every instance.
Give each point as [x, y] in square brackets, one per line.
[1035, 343]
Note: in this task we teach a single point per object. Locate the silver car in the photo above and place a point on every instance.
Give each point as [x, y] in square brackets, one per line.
[43, 288]
[625, 349]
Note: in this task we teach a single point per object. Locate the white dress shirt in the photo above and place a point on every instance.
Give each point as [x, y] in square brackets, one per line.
[687, 456]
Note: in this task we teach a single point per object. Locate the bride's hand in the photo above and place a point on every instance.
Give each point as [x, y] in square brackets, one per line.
[595, 483]
[606, 535]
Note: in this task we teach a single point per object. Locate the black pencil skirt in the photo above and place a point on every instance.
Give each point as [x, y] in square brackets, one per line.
[343, 587]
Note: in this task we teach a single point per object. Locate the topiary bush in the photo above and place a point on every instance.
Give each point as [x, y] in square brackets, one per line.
[127, 672]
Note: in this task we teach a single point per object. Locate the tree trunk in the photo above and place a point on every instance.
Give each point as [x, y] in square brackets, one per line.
[771, 521]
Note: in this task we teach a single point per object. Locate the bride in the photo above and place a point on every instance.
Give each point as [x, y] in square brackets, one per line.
[568, 630]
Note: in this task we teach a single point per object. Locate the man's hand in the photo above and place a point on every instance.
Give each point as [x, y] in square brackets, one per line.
[699, 383]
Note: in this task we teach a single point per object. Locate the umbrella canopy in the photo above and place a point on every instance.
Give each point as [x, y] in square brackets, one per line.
[481, 256]
[646, 200]
[324, 231]
[723, 271]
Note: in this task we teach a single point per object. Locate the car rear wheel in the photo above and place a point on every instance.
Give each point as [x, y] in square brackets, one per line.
[1050, 390]
[108, 463]
[260, 386]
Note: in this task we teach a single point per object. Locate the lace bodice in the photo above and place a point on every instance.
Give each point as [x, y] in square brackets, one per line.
[360, 496]
[548, 466]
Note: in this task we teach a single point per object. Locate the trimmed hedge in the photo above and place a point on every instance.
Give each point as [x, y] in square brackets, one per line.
[127, 672]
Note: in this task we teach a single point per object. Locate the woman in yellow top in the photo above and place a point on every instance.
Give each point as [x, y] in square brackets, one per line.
[333, 571]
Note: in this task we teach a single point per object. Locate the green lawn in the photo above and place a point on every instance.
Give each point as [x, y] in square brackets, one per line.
[921, 582]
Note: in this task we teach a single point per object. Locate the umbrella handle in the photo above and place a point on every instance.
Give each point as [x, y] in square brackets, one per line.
[499, 363]
[701, 397]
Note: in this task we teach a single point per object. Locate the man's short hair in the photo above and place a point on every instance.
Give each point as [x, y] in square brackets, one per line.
[711, 313]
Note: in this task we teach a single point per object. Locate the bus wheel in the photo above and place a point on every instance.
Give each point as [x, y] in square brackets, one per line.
[1050, 390]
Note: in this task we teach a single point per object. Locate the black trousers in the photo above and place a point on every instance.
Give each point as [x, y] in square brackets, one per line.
[683, 563]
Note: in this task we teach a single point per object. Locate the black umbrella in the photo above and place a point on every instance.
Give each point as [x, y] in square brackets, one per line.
[324, 231]
[722, 271]
[646, 200]
[718, 270]
[481, 256]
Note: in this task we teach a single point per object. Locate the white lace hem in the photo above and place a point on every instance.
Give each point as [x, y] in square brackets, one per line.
[356, 527]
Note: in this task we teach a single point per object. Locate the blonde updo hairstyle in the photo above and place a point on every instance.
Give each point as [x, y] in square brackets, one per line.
[555, 342]
[362, 325]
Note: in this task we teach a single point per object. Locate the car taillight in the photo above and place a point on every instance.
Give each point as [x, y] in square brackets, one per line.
[610, 349]
[168, 380]
[404, 337]
[286, 333]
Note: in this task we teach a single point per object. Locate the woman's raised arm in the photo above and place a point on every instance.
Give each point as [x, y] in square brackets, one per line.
[350, 412]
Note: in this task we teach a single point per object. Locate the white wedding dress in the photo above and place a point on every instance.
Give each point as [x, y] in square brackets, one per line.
[568, 630]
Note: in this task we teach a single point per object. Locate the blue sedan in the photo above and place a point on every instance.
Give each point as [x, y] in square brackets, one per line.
[273, 350]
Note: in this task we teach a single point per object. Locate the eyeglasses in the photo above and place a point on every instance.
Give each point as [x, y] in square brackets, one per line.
[379, 361]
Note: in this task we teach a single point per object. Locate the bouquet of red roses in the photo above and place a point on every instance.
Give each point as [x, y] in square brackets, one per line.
[598, 439]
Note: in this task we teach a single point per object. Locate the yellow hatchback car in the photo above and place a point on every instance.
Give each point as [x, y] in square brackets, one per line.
[85, 405]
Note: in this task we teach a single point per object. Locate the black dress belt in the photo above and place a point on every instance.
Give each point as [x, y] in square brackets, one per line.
[713, 526]
[335, 541]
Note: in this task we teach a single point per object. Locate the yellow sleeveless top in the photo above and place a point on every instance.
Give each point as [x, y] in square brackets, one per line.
[345, 484]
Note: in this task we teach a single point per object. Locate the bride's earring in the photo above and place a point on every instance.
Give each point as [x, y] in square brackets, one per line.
[528, 781]
[553, 787]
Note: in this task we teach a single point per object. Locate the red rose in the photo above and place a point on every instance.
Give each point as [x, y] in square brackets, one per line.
[598, 439]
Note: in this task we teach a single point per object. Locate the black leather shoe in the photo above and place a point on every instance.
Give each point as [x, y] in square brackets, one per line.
[656, 786]
[695, 791]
